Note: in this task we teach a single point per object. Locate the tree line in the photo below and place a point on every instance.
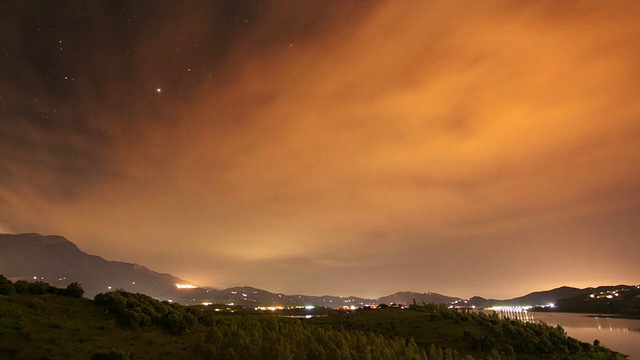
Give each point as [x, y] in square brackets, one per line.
[251, 336]
[504, 338]
[7, 287]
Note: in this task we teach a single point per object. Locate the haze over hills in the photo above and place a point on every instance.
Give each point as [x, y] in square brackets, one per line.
[58, 261]
[407, 297]
[544, 297]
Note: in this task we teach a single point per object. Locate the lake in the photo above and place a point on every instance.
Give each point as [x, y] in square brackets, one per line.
[622, 335]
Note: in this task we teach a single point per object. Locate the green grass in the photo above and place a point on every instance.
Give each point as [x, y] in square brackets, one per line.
[468, 333]
[406, 323]
[56, 327]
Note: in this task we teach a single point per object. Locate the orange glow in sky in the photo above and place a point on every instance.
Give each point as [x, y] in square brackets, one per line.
[466, 148]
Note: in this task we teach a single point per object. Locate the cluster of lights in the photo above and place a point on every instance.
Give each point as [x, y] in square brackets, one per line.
[461, 304]
[514, 312]
[269, 308]
[605, 294]
[185, 286]
[511, 308]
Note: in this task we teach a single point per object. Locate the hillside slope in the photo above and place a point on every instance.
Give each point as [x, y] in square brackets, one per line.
[58, 261]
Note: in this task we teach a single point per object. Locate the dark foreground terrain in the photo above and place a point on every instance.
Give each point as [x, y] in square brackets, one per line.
[38, 321]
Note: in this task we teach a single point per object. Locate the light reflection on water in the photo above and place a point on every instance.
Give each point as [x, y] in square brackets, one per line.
[622, 335]
[514, 313]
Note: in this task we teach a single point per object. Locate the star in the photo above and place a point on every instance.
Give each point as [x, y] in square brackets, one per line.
[158, 90]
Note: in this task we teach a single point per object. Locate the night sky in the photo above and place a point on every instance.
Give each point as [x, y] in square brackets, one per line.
[330, 147]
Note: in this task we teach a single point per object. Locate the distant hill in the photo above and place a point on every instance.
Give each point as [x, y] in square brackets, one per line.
[544, 297]
[619, 299]
[58, 261]
[251, 297]
[475, 302]
[610, 299]
[408, 298]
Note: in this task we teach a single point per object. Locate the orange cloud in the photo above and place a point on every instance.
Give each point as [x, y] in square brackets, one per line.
[419, 126]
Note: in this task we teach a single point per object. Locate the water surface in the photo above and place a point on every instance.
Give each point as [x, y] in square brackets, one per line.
[622, 335]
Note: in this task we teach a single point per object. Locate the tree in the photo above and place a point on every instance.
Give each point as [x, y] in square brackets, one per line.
[6, 286]
[22, 286]
[74, 290]
[39, 288]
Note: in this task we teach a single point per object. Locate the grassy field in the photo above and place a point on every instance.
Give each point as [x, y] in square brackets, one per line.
[56, 327]
[421, 326]
[468, 333]
[134, 326]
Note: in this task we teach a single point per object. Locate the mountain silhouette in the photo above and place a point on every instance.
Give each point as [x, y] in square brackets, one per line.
[407, 298]
[58, 261]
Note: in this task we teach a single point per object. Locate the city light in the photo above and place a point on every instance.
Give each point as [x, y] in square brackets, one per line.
[185, 286]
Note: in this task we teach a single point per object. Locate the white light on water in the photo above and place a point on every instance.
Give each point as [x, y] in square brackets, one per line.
[511, 308]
